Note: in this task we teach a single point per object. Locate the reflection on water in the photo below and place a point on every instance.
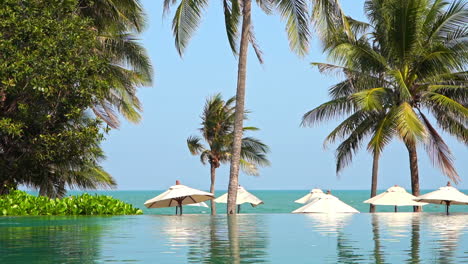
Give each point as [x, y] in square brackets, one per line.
[69, 240]
[218, 239]
[314, 238]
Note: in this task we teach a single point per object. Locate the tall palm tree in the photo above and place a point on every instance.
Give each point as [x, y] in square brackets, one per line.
[408, 61]
[217, 131]
[117, 23]
[237, 13]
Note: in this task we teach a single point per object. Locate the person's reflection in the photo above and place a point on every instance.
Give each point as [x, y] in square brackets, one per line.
[378, 256]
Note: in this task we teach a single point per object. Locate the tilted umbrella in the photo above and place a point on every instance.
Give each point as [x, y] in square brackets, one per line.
[396, 196]
[177, 196]
[314, 193]
[243, 196]
[326, 204]
[447, 195]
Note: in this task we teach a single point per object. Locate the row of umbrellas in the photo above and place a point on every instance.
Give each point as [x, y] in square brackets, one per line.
[315, 202]
[179, 195]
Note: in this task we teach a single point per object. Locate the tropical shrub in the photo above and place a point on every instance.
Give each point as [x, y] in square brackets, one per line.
[19, 203]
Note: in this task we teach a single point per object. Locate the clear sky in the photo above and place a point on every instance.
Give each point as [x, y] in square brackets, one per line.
[153, 154]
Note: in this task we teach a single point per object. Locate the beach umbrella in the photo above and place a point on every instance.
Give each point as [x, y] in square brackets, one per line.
[177, 196]
[314, 193]
[326, 204]
[447, 195]
[243, 196]
[396, 196]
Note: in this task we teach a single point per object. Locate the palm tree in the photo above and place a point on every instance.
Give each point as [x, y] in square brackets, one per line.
[408, 61]
[217, 131]
[186, 20]
[117, 22]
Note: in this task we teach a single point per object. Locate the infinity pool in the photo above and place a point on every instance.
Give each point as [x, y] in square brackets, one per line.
[249, 238]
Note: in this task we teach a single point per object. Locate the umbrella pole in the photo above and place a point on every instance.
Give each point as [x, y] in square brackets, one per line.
[238, 208]
[396, 208]
[447, 205]
[180, 208]
[176, 210]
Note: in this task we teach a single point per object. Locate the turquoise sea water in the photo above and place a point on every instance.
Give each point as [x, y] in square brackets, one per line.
[266, 234]
[275, 202]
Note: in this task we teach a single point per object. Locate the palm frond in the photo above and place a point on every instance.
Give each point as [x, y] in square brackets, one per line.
[371, 99]
[348, 126]
[348, 148]
[248, 167]
[328, 110]
[232, 14]
[186, 20]
[295, 12]
[255, 45]
[439, 152]
[383, 132]
[194, 145]
[409, 126]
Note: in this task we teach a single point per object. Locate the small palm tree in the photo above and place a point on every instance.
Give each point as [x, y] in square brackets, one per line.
[217, 131]
[409, 60]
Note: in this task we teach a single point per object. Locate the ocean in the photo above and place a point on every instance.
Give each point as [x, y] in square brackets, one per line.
[275, 202]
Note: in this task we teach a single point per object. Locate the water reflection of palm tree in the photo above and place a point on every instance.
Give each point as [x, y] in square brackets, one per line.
[448, 230]
[415, 240]
[378, 255]
[347, 250]
[230, 239]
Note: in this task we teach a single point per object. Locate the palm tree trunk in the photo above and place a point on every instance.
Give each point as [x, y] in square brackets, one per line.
[413, 158]
[375, 171]
[239, 115]
[212, 188]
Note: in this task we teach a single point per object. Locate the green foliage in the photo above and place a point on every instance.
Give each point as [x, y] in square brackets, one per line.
[50, 76]
[19, 203]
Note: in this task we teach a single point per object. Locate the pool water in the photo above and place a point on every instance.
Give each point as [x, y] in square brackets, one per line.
[245, 238]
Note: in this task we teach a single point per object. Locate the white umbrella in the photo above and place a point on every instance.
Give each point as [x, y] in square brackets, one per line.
[447, 195]
[326, 204]
[396, 196]
[314, 193]
[178, 195]
[243, 196]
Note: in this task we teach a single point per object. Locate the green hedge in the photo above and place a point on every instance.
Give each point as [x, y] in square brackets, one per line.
[21, 203]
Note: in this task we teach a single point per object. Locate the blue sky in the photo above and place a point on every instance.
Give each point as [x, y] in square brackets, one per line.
[153, 154]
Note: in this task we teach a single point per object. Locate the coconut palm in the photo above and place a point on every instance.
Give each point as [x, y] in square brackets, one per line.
[117, 23]
[217, 131]
[237, 15]
[407, 62]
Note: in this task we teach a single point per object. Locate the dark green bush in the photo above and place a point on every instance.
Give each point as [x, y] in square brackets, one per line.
[21, 203]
